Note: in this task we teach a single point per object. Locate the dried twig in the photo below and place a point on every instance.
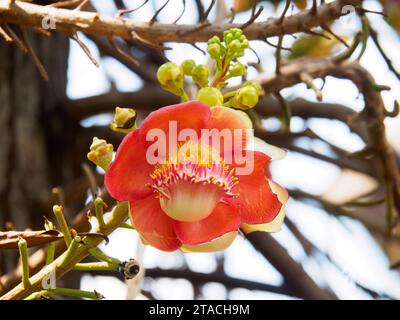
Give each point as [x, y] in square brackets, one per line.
[5, 35]
[122, 53]
[85, 49]
[182, 12]
[154, 18]
[39, 65]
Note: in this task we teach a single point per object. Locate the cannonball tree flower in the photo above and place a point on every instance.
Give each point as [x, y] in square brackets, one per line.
[196, 201]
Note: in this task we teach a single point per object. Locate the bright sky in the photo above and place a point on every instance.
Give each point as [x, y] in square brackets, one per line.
[346, 241]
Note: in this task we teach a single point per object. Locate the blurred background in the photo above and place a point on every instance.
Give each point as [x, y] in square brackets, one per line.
[341, 243]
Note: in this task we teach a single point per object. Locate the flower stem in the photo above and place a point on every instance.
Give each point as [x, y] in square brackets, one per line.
[117, 218]
[95, 266]
[99, 209]
[103, 257]
[23, 252]
[71, 251]
[76, 293]
[66, 292]
[51, 247]
[59, 213]
[127, 226]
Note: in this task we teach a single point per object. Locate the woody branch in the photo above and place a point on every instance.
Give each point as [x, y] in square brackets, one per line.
[31, 15]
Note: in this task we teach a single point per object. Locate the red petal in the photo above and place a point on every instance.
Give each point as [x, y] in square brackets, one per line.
[256, 201]
[223, 118]
[223, 219]
[190, 115]
[128, 174]
[153, 224]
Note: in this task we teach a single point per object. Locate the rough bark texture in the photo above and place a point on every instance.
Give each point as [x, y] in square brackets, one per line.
[29, 126]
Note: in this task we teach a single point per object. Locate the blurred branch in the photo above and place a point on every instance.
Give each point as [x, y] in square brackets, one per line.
[199, 278]
[295, 277]
[32, 15]
[374, 112]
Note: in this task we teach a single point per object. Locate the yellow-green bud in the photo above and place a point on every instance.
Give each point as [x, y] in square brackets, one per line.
[168, 72]
[210, 96]
[214, 50]
[124, 120]
[170, 76]
[237, 70]
[101, 153]
[246, 97]
[234, 46]
[188, 66]
[231, 34]
[48, 225]
[200, 75]
[214, 39]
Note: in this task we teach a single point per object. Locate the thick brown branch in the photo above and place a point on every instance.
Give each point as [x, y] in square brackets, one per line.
[94, 23]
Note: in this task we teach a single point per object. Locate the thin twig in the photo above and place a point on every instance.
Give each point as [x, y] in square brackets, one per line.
[207, 12]
[20, 44]
[337, 37]
[5, 35]
[122, 12]
[85, 49]
[253, 17]
[388, 61]
[122, 53]
[39, 65]
[282, 17]
[154, 18]
[183, 11]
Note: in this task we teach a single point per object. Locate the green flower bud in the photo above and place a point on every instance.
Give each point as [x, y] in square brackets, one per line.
[101, 153]
[234, 47]
[237, 70]
[210, 96]
[246, 97]
[168, 72]
[214, 50]
[228, 37]
[200, 75]
[214, 39]
[124, 120]
[188, 66]
[170, 76]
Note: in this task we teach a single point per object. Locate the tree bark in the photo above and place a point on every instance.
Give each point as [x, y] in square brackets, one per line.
[30, 127]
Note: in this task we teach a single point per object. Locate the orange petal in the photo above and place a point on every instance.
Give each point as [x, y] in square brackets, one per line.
[128, 174]
[218, 244]
[276, 224]
[153, 225]
[223, 219]
[190, 115]
[256, 201]
[229, 120]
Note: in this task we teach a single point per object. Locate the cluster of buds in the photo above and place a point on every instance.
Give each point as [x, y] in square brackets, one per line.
[225, 52]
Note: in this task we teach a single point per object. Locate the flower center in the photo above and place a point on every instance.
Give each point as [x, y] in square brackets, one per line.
[192, 182]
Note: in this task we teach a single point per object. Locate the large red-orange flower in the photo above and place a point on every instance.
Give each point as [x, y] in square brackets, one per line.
[195, 200]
